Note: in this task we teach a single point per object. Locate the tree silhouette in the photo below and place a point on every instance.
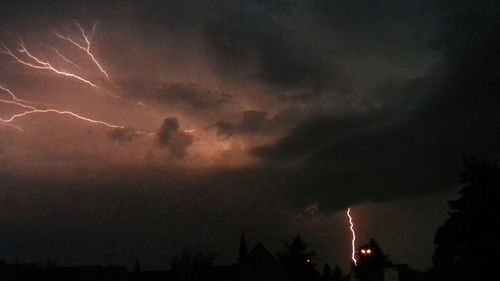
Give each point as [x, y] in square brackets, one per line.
[136, 274]
[191, 267]
[137, 266]
[376, 255]
[337, 274]
[329, 276]
[296, 259]
[467, 238]
[327, 273]
[371, 263]
[243, 253]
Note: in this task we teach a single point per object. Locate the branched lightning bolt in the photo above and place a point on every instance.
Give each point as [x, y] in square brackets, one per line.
[63, 57]
[86, 47]
[63, 112]
[353, 255]
[16, 103]
[13, 96]
[12, 126]
[29, 109]
[40, 64]
[20, 102]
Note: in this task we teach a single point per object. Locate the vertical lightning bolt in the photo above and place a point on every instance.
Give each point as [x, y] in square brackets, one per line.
[86, 47]
[353, 254]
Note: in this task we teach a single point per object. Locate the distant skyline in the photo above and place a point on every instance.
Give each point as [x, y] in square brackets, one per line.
[135, 129]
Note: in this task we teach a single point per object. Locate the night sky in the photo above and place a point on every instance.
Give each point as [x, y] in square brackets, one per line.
[222, 117]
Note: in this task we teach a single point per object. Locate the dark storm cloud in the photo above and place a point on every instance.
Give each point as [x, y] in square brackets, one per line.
[313, 134]
[122, 135]
[369, 12]
[284, 60]
[421, 152]
[191, 95]
[240, 32]
[469, 42]
[180, 95]
[410, 144]
[136, 90]
[450, 111]
[170, 136]
[57, 10]
[266, 42]
[261, 123]
[311, 210]
[253, 122]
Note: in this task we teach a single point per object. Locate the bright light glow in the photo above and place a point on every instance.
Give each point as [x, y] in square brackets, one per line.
[366, 251]
[353, 242]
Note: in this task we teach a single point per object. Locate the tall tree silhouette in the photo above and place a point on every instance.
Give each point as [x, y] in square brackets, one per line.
[188, 267]
[376, 255]
[297, 260]
[467, 238]
[337, 274]
[372, 261]
[327, 273]
[329, 276]
[243, 253]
